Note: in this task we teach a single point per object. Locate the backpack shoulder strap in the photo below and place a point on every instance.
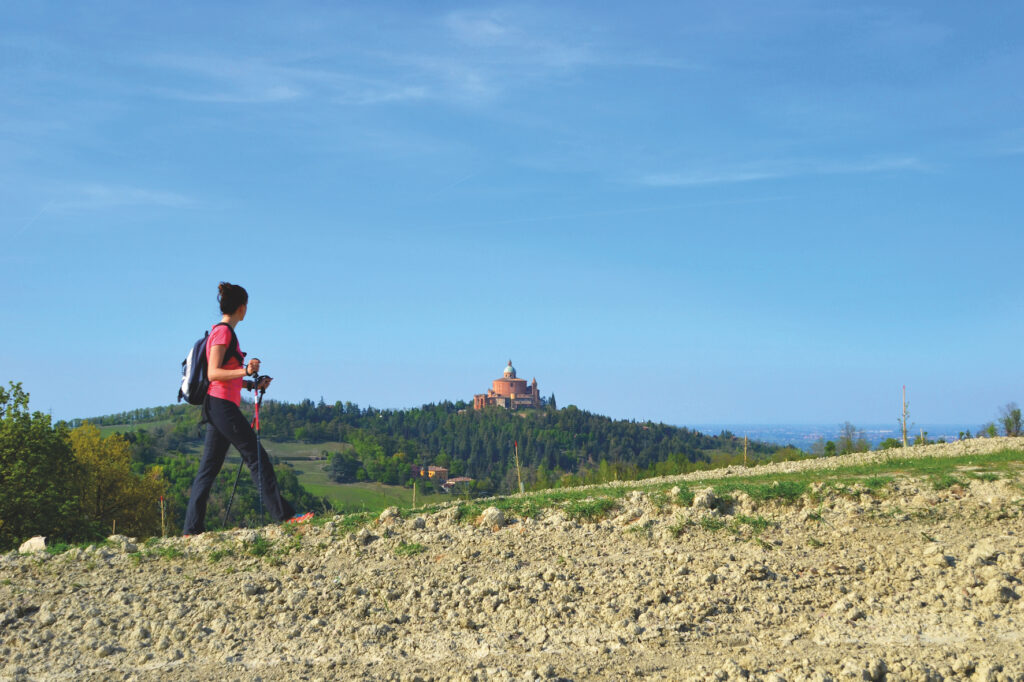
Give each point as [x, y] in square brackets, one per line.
[232, 348]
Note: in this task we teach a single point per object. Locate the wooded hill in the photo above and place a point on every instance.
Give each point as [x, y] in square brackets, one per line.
[556, 446]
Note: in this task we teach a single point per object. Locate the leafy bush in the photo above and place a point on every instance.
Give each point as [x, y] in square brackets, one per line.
[40, 491]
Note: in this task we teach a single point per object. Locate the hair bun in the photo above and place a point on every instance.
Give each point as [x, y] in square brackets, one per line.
[231, 296]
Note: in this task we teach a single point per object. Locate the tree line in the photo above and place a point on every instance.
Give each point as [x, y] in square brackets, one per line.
[68, 484]
[554, 445]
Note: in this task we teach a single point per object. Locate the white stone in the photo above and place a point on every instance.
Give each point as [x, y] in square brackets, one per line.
[36, 544]
[492, 518]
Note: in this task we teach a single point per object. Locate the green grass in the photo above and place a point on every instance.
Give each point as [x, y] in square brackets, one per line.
[590, 510]
[218, 554]
[875, 477]
[260, 546]
[410, 549]
[165, 552]
[302, 451]
[944, 481]
[578, 504]
[988, 476]
[304, 458]
[711, 524]
[778, 489]
[877, 483]
[150, 426]
[680, 527]
[358, 497]
[595, 503]
[350, 523]
[643, 530]
[757, 524]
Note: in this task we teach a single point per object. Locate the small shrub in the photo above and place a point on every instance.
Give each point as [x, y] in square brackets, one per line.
[814, 542]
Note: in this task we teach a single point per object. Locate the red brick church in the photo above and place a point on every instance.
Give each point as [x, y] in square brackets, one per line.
[509, 392]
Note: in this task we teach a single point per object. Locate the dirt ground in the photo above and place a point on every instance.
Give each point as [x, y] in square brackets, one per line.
[915, 584]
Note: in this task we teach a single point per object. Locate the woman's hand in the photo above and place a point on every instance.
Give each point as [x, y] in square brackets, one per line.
[263, 383]
[253, 367]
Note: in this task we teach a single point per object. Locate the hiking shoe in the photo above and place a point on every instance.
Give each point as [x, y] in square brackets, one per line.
[300, 518]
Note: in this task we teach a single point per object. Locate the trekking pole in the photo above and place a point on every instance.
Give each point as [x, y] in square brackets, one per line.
[227, 510]
[256, 426]
[259, 448]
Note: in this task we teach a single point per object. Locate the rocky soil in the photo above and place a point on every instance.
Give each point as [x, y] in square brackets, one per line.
[914, 584]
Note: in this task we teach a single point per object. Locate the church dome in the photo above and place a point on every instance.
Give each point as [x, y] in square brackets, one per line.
[510, 371]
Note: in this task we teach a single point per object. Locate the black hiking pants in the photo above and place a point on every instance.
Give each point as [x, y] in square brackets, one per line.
[228, 426]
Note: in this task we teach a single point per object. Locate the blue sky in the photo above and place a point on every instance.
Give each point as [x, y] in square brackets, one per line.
[687, 212]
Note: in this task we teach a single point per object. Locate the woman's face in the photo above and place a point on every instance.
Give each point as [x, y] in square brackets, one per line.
[242, 310]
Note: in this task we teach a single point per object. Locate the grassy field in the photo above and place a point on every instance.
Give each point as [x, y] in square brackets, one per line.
[357, 497]
[126, 428]
[304, 458]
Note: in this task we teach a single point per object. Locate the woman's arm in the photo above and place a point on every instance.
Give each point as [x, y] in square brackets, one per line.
[217, 373]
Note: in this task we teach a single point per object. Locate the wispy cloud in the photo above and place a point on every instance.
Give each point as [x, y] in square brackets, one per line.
[491, 52]
[99, 196]
[225, 80]
[93, 197]
[238, 80]
[770, 170]
[475, 57]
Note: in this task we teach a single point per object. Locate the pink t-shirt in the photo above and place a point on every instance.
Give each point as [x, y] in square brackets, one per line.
[220, 335]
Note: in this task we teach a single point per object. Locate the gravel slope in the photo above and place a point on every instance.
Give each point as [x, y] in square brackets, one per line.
[920, 585]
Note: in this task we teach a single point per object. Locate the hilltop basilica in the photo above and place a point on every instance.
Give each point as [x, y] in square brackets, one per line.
[509, 392]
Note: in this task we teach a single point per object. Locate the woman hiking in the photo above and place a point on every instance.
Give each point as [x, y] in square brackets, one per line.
[226, 425]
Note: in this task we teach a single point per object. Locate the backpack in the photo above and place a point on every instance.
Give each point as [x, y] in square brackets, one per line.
[195, 381]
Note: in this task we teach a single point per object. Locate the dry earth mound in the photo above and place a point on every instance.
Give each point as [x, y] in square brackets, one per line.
[910, 576]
